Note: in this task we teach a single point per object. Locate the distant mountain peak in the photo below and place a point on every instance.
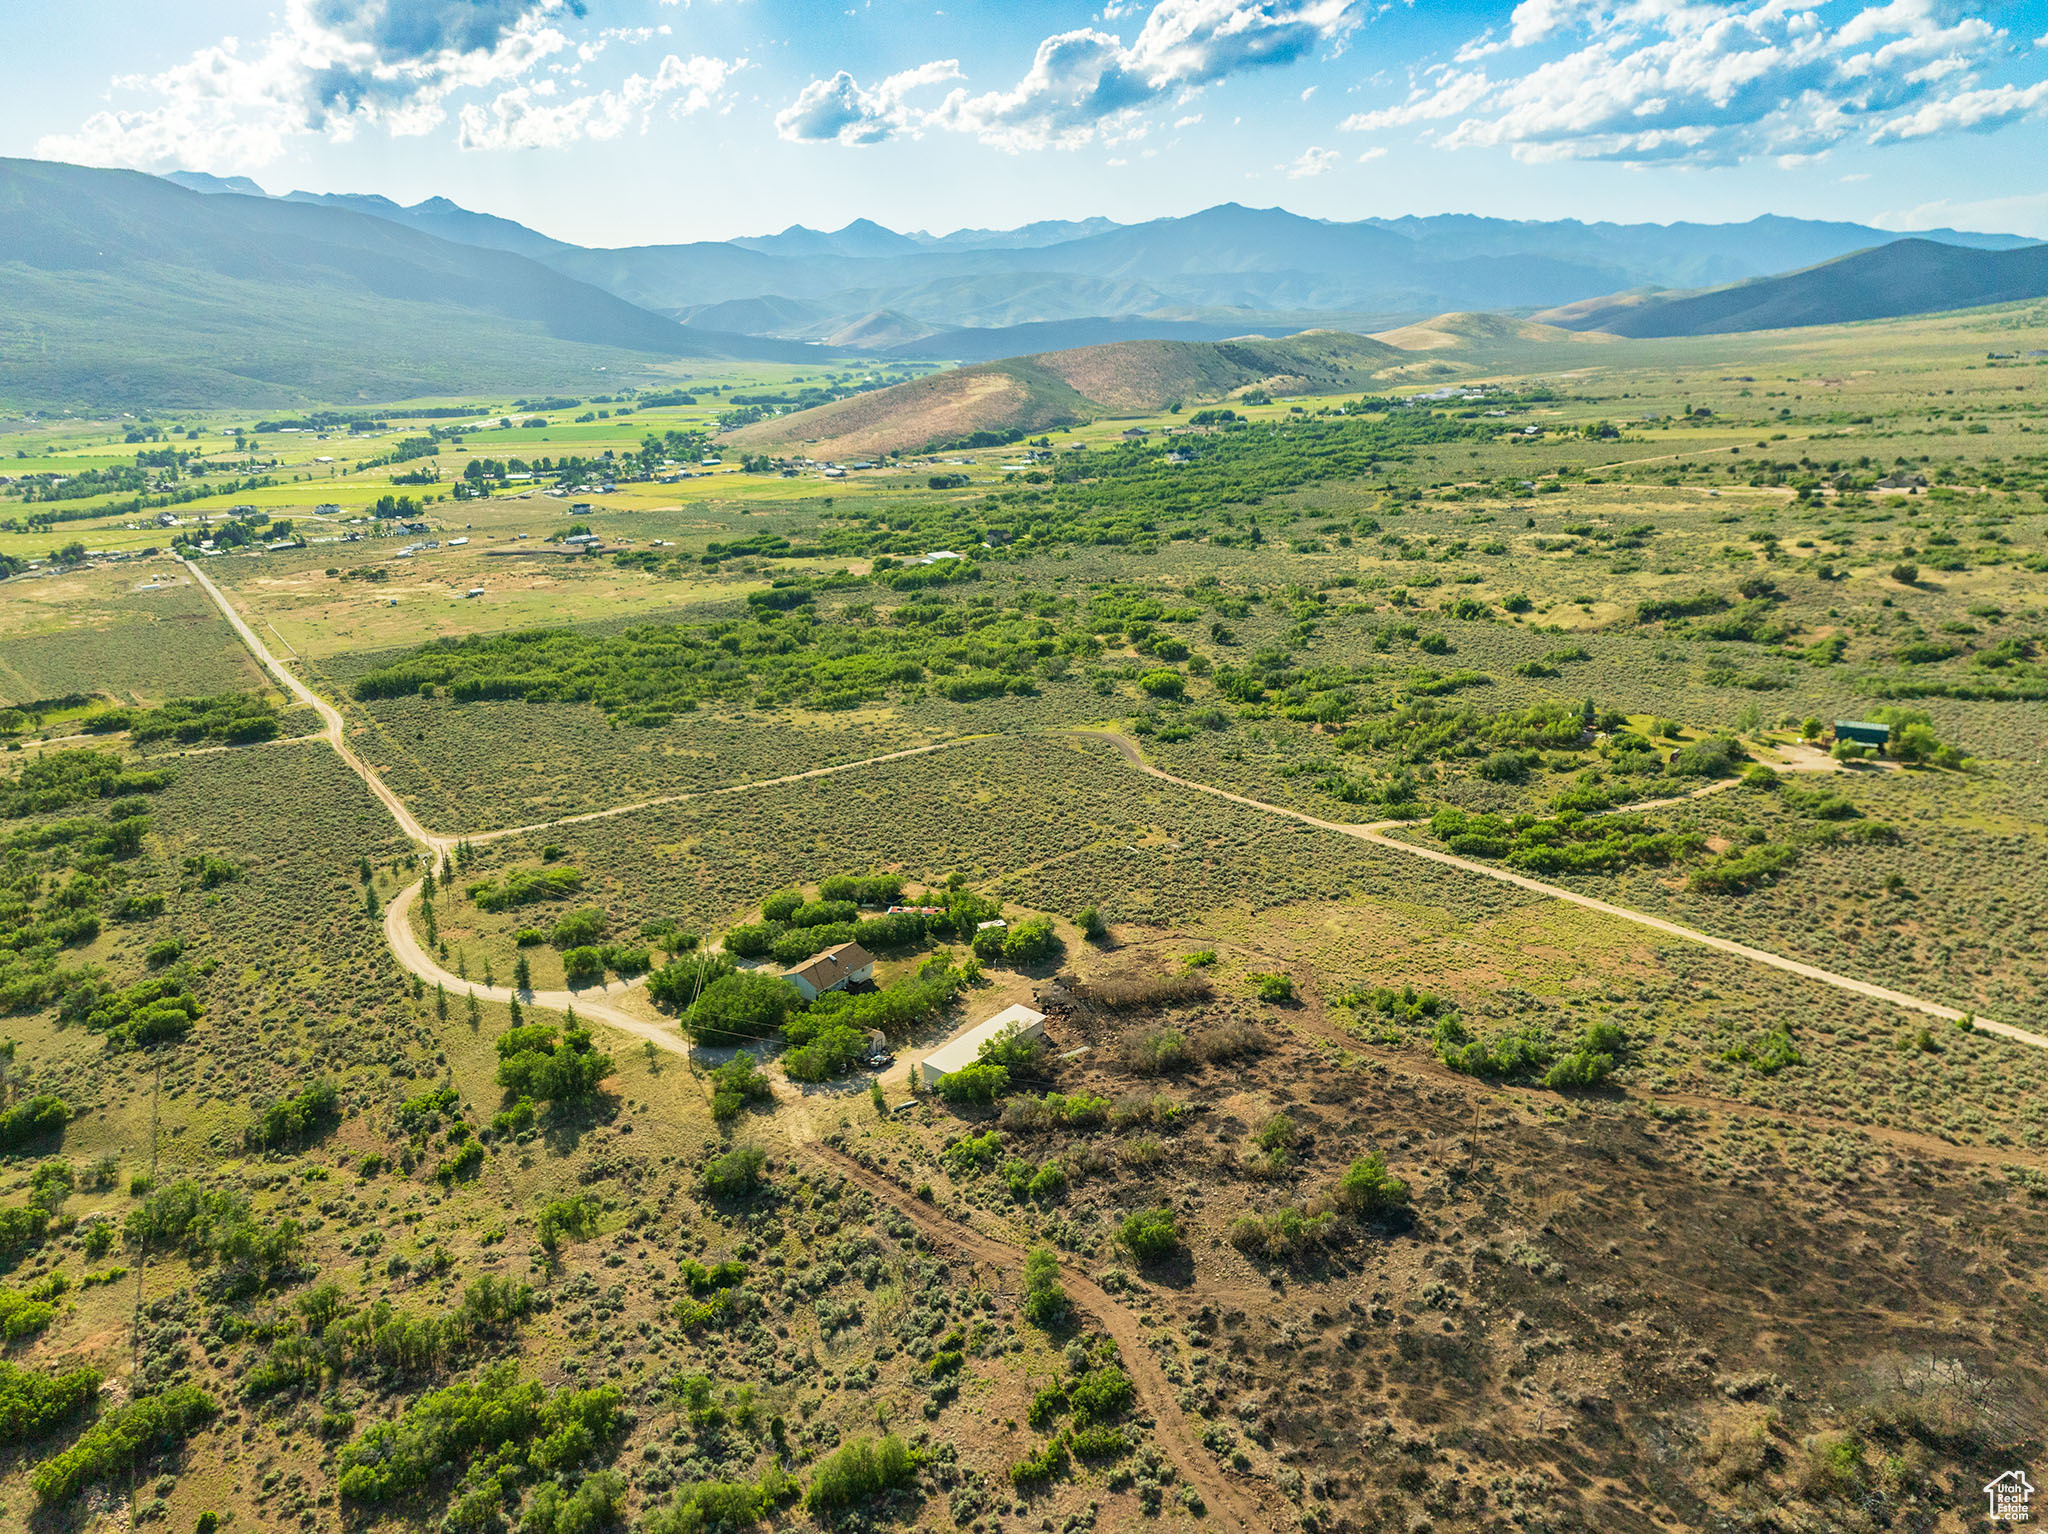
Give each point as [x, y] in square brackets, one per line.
[212, 185]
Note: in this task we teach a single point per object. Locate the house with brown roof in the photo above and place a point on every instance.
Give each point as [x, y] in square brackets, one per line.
[828, 971]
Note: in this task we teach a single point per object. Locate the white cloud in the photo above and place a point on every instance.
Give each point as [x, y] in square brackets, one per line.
[1088, 83]
[1377, 152]
[1711, 82]
[841, 109]
[1312, 162]
[537, 117]
[1972, 111]
[335, 67]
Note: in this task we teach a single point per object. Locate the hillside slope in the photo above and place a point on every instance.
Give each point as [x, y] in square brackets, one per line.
[1465, 331]
[1905, 277]
[1054, 389]
[118, 288]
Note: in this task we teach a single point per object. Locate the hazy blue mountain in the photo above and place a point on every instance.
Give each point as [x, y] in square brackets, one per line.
[1666, 255]
[121, 287]
[202, 181]
[862, 237]
[1916, 276]
[444, 220]
[1049, 231]
[1228, 265]
[993, 343]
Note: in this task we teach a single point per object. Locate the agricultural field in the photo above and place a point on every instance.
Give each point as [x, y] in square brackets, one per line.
[1352, 781]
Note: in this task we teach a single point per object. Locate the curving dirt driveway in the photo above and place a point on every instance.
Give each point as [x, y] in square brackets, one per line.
[1376, 834]
[591, 1003]
[1227, 1501]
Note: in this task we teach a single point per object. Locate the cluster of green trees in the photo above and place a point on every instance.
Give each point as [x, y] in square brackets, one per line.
[229, 718]
[290, 1120]
[64, 778]
[780, 655]
[549, 1435]
[1568, 843]
[32, 1119]
[336, 1340]
[157, 1009]
[1127, 495]
[60, 879]
[120, 1440]
[31, 1403]
[215, 1227]
[525, 886]
[545, 1065]
[1531, 1052]
[792, 932]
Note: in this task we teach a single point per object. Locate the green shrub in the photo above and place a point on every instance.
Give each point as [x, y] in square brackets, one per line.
[1271, 987]
[290, 1120]
[734, 1085]
[979, 1082]
[738, 1173]
[32, 1119]
[574, 1216]
[1150, 1235]
[525, 886]
[859, 1470]
[1031, 942]
[1045, 1298]
[1042, 1464]
[1367, 1188]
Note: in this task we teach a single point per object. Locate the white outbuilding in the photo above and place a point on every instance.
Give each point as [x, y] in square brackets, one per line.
[966, 1049]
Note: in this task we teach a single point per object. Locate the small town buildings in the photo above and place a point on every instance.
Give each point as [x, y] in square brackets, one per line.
[966, 1049]
[847, 964]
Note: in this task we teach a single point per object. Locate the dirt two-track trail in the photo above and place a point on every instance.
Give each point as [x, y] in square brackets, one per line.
[1225, 1500]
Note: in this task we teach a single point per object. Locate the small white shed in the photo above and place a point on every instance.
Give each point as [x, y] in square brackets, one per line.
[966, 1049]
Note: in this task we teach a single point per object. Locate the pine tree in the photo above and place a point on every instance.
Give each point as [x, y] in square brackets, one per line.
[440, 1001]
[522, 976]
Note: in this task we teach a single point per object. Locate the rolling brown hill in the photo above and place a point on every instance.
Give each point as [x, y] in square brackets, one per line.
[1462, 331]
[1056, 389]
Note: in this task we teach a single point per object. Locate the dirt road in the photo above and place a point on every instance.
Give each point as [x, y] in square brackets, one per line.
[330, 718]
[1128, 750]
[1376, 834]
[1227, 1501]
[591, 1003]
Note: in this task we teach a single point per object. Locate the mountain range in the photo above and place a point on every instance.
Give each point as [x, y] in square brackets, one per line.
[118, 288]
[1224, 271]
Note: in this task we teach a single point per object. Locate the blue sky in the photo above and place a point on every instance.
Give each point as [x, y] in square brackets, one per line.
[632, 121]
